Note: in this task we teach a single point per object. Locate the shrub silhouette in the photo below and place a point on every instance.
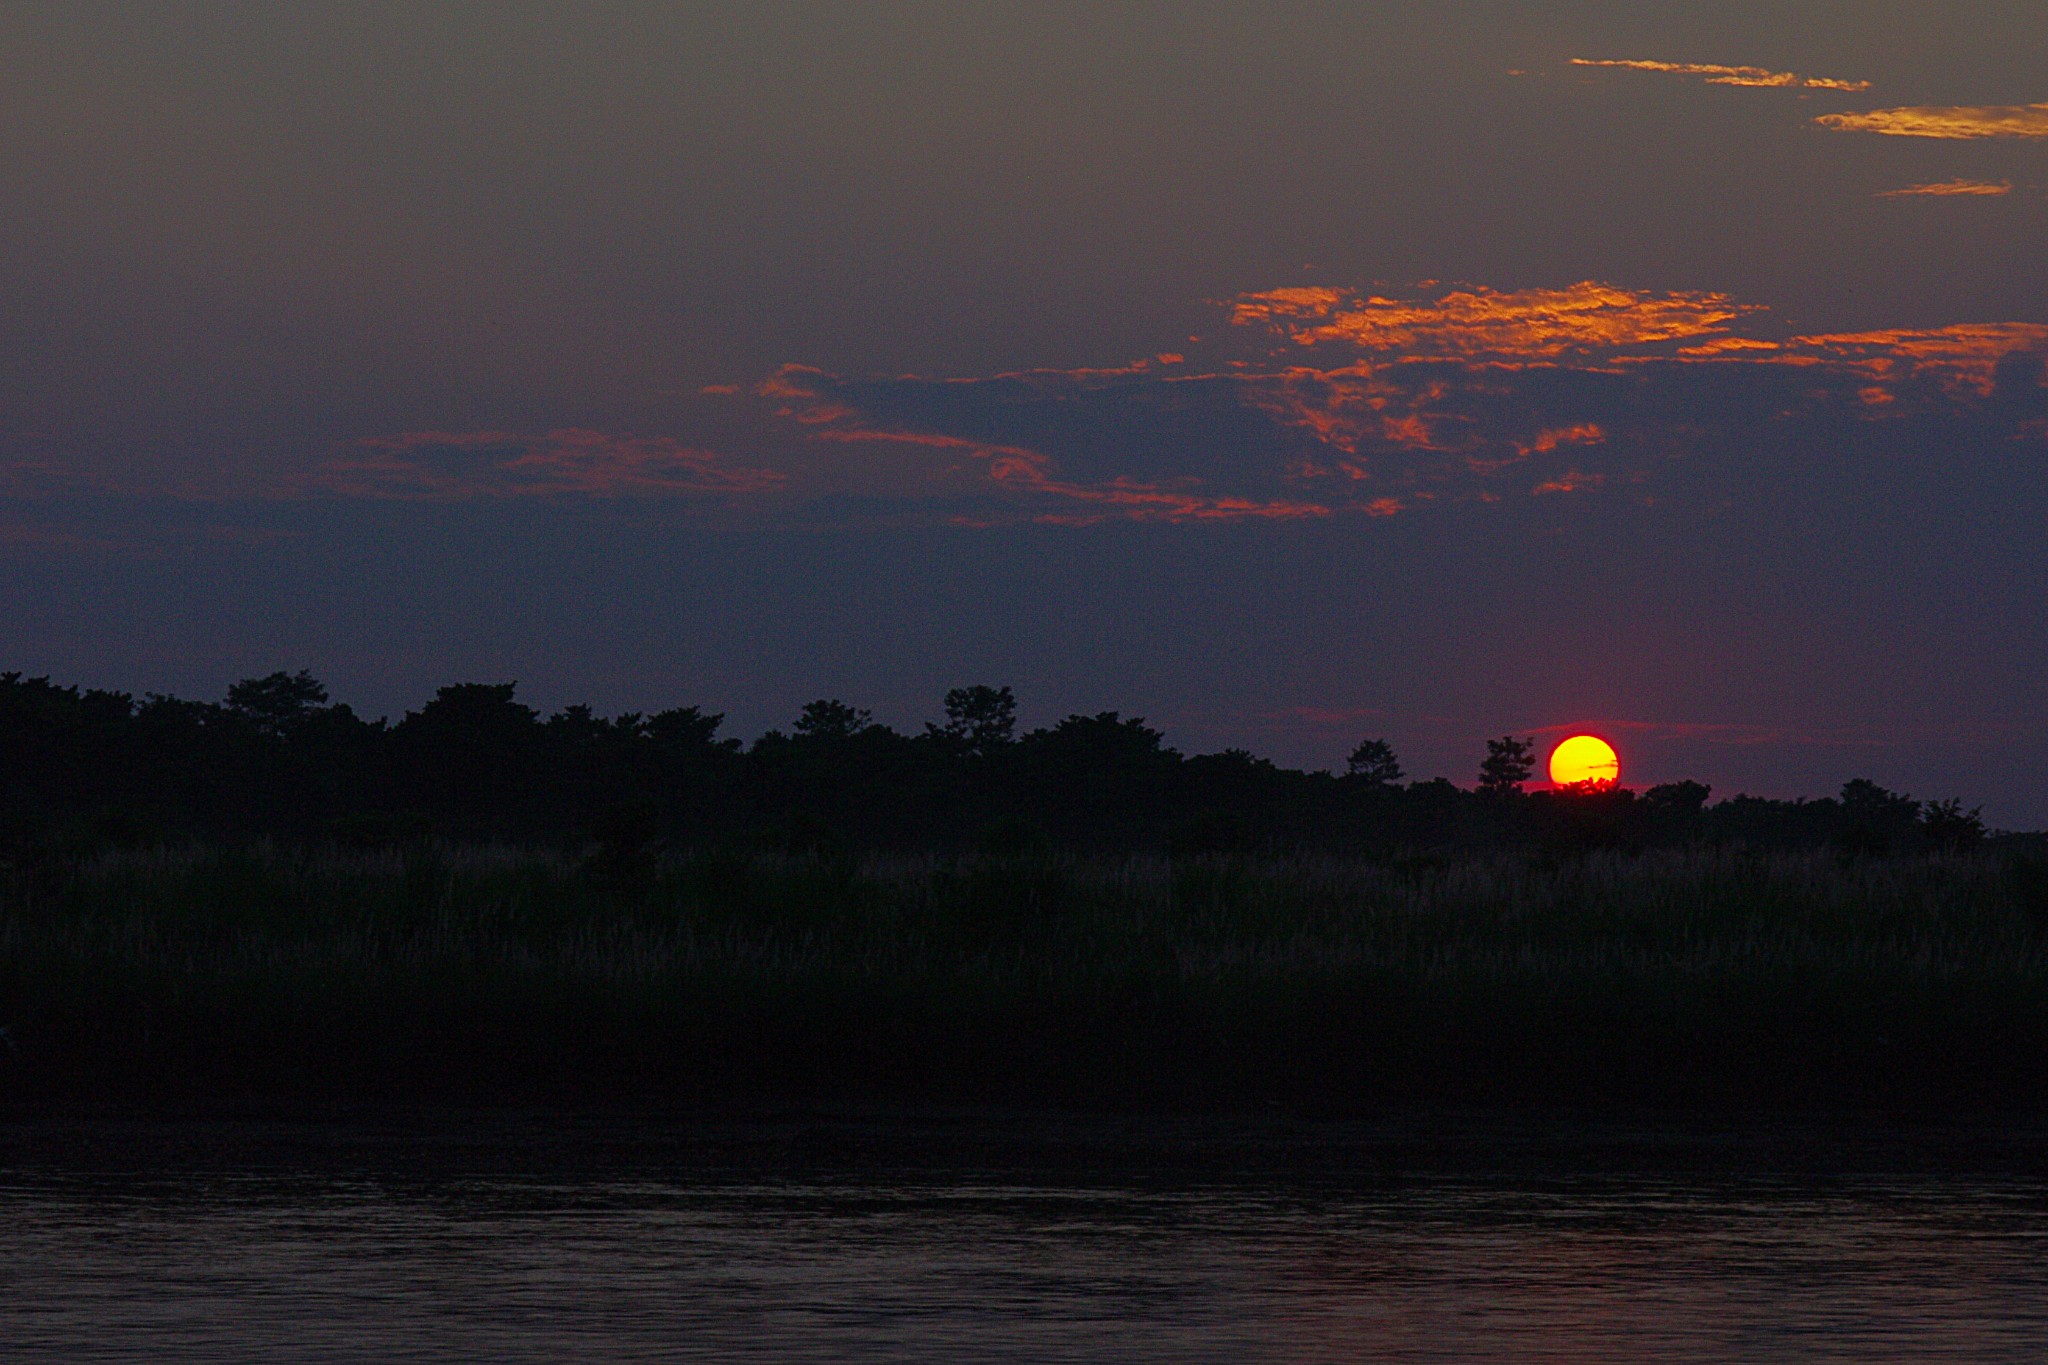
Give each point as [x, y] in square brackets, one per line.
[1875, 821]
[1951, 829]
[1680, 799]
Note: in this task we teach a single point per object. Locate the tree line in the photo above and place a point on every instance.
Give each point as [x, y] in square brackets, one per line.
[277, 758]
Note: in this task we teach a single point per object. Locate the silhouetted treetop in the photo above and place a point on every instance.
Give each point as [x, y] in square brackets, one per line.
[1875, 820]
[277, 759]
[472, 712]
[831, 720]
[687, 729]
[1682, 798]
[1864, 800]
[979, 719]
[277, 701]
[1373, 763]
[1105, 738]
[1509, 762]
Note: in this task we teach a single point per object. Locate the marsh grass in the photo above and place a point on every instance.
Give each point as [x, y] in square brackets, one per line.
[197, 975]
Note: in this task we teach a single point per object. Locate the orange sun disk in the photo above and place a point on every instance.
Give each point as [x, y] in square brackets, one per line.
[1582, 759]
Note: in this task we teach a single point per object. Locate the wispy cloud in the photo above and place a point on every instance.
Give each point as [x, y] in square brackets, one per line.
[1965, 357]
[1581, 325]
[1029, 481]
[1017, 469]
[1716, 74]
[456, 466]
[1480, 324]
[1332, 402]
[1571, 481]
[1577, 434]
[1943, 188]
[1946, 121]
[1962, 359]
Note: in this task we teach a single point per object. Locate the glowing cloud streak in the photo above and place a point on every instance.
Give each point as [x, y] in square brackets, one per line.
[1945, 188]
[1716, 74]
[1963, 358]
[1523, 326]
[1946, 121]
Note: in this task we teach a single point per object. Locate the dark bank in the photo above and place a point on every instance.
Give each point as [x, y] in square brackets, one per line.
[271, 905]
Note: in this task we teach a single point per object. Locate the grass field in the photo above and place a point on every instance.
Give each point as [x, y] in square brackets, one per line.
[197, 977]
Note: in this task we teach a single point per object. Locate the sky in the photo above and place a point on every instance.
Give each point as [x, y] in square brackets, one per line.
[1285, 374]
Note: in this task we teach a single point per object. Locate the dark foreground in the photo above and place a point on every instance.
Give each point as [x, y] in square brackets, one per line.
[941, 1236]
[280, 981]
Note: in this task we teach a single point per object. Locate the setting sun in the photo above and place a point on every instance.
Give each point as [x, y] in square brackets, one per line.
[1584, 758]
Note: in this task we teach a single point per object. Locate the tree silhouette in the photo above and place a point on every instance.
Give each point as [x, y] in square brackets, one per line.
[278, 702]
[1373, 763]
[687, 729]
[1096, 778]
[471, 756]
[473, 715]
[829, 720]
[1509, 761]
[277, 759]
[979, 719]
[1106, 742]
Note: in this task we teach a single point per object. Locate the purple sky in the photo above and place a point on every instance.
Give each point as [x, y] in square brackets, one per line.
[1284, 374]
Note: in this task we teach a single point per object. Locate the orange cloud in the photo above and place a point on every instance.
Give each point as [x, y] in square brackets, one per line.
[1305, 301]
[1951, 187]
[801, 401]
[1348, 407]
[1962, 358]
[454, 466]
[1725, 346]
[1578, 434]
[1716, 74]
[1946, 121]
[1571, 482]
[1519, 326]
[1444, 398]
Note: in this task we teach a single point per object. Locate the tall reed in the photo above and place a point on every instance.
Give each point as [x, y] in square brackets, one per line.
[200, 975]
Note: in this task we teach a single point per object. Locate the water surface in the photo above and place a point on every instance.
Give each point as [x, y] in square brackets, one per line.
[332, 1252]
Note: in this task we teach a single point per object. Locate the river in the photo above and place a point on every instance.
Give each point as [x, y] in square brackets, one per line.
[834, 1241]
